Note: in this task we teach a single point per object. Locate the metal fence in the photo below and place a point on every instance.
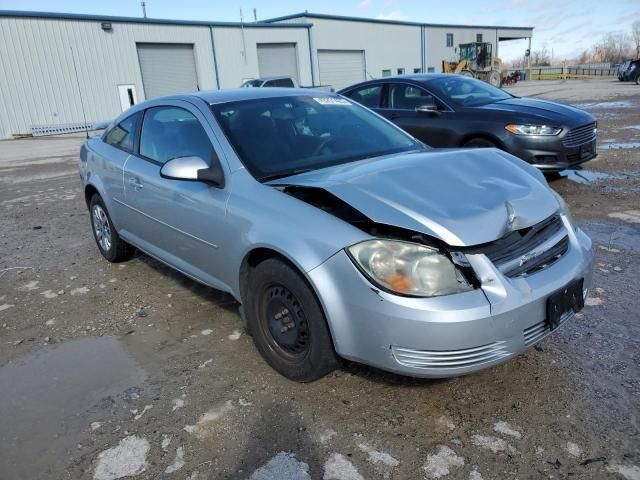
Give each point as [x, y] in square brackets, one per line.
[563, 73]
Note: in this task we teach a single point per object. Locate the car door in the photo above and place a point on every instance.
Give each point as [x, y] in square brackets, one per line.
[399, 104]
[181, 222]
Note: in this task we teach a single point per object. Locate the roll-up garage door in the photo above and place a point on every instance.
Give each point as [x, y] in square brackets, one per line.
[167, 68]
[278, 59]
[341, 68]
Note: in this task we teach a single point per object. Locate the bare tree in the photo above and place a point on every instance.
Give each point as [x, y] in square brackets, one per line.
[540, 58]
[613, 48]
[635, 34]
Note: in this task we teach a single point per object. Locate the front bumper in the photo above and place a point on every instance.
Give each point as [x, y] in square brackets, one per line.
[549, 154]
[450, 335]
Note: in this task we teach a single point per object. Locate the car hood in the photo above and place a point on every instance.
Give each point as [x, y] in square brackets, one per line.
[463, 197]
[542, 109]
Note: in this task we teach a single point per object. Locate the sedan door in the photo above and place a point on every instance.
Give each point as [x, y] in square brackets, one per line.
[179, 221]
[435, 128]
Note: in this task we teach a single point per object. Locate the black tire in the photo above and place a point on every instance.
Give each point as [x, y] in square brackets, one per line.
[479, 143]
[115, 249]
[287, 323]
[638, 80]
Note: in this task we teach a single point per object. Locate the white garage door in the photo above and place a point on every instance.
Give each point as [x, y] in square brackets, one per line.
[167, 68]
[278, 59]
[341, 68]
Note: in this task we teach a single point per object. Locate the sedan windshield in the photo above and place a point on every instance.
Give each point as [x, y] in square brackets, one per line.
[281, 136]
[468, 92]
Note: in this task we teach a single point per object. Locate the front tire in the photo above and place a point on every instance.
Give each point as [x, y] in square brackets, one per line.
[287, 323]
[479, 143]
[111, 246]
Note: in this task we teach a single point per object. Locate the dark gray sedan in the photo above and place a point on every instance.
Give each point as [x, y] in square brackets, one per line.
[445, 110]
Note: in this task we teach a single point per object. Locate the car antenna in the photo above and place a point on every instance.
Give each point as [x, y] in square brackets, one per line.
[84, 115]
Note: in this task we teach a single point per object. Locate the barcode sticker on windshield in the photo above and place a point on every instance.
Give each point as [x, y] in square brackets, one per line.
[331, 101]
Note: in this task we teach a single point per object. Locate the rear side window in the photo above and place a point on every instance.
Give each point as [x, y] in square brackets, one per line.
[367, 96]
[122, 136]
[279, 82]
[172, 132]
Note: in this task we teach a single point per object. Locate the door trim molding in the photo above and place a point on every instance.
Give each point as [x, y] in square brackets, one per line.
[212, 245]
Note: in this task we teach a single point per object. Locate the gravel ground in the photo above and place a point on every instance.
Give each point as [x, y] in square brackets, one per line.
[132, 369]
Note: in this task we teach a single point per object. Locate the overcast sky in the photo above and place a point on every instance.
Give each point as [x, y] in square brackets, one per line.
[566, 26]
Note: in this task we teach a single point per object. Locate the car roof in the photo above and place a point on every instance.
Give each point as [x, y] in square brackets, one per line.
[416, 77]
[239, 94]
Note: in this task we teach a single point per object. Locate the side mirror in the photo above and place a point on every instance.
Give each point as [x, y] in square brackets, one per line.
[194, 169]
[430, 109]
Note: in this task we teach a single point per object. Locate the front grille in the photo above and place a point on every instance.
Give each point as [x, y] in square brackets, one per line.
[528, 250]
[537, 332]
[580, 135]
[450, 358]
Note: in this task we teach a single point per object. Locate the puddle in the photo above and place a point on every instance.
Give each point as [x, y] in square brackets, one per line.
[615, 145]
[45, 397]
[587, 176]
[630, 127]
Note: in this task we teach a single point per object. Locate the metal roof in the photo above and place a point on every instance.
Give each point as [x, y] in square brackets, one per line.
[164, 21]
[378, 20]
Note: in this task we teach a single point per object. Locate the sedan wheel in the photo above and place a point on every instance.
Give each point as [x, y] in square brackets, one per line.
[287, 323]
[101, 228]
[111, 246]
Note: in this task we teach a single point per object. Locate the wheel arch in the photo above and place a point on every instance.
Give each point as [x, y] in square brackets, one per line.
[258, 255]
[484, 136]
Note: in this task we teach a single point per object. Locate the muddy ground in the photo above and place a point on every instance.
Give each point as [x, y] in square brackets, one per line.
[132, 369]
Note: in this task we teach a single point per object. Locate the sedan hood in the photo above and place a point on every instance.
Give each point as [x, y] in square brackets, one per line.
[542, 109]
[463, 197]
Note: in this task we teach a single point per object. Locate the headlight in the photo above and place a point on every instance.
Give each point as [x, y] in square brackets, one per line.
[533, 129]
[408, 268]
[564, 208]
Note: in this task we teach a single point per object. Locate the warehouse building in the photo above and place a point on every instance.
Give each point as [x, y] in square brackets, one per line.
[62, 72]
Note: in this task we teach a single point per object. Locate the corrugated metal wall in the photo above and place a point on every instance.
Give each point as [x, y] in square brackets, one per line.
[37, 78]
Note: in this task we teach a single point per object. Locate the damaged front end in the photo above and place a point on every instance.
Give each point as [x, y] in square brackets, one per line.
[397, 260]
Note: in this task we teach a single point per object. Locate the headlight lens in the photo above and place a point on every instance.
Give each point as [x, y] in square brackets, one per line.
[564, 208]
[408, 268]
[533, 129]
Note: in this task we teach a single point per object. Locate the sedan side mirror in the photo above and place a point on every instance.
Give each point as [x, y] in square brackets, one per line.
[194, 169]
[429, 108]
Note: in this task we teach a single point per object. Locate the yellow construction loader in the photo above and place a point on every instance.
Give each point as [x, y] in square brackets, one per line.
[477, 61]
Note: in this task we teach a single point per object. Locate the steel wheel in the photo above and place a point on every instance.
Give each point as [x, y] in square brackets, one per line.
[285, 321]
[101, 228]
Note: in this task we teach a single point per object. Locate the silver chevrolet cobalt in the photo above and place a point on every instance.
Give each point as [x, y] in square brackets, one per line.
[339, 234]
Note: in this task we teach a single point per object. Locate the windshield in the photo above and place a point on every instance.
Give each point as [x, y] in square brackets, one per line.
[281, 136]
[468, 92]
[251, 84]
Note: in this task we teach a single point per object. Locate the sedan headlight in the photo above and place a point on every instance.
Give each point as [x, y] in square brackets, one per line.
[408, 268]
[564, 208]
[533, 129]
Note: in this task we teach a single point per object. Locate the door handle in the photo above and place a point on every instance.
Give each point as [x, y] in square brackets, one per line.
[135, 183]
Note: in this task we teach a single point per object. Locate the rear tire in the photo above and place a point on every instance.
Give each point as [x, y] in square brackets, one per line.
[479, 143]
[111, 246]
[494, 78]
[287, 323]
[467, 73]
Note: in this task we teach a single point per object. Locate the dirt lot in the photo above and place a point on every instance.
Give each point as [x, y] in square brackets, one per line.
[108, 370]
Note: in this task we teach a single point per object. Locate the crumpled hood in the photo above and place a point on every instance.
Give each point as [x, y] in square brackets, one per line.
[458, 196]
[542, 109]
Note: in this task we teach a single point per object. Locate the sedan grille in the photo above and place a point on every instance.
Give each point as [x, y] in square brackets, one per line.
[528, 250]
[450, 358]
[580, 135]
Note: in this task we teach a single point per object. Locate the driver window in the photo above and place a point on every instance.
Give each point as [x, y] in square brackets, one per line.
[172, 132]
[408, 97]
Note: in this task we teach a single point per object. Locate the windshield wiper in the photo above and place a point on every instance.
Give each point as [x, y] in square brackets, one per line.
[275, 176]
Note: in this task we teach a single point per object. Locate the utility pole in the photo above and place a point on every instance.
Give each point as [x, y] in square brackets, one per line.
[144, 9]
[255, 15]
